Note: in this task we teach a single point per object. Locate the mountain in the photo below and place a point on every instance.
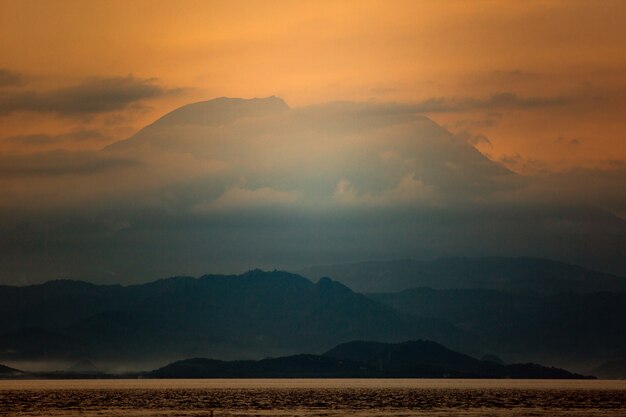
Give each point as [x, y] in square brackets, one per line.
[252, 315]
[260, 314]
[83, 366]
[567, 329]
[205, 115]
[413, 359]
[31, 343]
[423, 357]
[295, 366]
[515, 275]
[230, 183]
[613, 369]
[235, 130]
[7, 372]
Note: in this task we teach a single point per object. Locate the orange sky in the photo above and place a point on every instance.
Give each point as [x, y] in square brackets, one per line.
[539, 85]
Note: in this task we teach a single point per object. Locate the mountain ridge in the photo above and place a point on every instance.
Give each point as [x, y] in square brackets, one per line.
[258, 314]
[230, 316]
[512, 274]
[207, 113]
[418, 359]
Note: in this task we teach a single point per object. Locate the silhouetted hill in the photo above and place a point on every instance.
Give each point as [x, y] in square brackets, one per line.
[517, 275]
[260, 314]
[54, 304]
[362, 359]
[409, 357]
[247, 316]
[427, 358]
[566, 329]
[6, 372]
[83, 366]
[33, 343]
[296, 366]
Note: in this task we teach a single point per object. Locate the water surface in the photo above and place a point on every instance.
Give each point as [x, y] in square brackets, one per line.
[313, 397]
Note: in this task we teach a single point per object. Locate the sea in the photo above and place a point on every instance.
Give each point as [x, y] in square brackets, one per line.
[312, 397]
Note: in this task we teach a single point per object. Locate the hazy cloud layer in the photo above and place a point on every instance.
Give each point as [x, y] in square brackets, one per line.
[9, 78]
[230, 184]
[78, 135]
[93, 96]
[48, 164]
[499, 101]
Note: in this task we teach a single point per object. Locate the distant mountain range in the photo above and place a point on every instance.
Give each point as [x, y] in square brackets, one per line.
[521, 308]
[359, 359]
[7, 372]
[252, 315]
[569, 329]
[275, 314]
[515, 275]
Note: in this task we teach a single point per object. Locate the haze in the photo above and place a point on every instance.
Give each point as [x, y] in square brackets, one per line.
[376, 130]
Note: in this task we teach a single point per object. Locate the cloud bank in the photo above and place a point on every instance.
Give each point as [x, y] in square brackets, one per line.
[39, 139]
[10, 78]
[499, 101]
[231, 184]
[93, 96]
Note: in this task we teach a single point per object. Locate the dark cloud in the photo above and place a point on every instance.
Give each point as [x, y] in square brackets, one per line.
[142, 245]
[616, 163]
[519, 163]
[495, 102]
[39, 139]
[475, 139]
[600, 187]
[488, 120]
[96, 95]
[568, 141]
[10, 78]
[46, 164]
[515, 74]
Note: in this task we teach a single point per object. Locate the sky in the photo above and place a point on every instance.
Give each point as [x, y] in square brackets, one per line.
[530, 97]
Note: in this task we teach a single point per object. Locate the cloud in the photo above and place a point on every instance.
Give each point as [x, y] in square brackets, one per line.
[408, 190]
[475, 139]
[237, 197]
[515, 74]
[56, 163]
[93, 96]
[568, 141]
[488, 120]
[499, 101]
[345, 193]
[10, 78]
[520, 164]
[39, 139]
[480, 140]
[291, 187]
[600, 187]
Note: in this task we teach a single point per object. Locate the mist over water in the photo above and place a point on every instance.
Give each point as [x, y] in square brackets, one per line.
[313, 397]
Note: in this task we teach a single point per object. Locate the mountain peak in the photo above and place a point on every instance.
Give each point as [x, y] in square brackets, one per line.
[212, 113]
[222, 110]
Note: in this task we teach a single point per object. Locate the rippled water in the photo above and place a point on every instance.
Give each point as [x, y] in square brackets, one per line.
[288, 397]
